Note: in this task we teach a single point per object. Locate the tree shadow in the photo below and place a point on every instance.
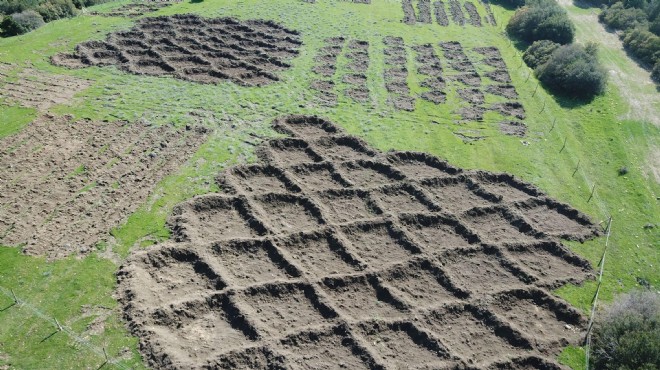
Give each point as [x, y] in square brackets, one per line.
[568, 101]
[505, 4]
[196, 1]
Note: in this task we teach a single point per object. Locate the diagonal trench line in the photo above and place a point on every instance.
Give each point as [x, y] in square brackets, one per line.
[73, 335]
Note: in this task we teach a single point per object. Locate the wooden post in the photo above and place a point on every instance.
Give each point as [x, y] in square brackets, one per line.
[592, 193]
[542, 109]
[14, 295]
[576, 169]
[528, 76]
[537, 87]
[553, 124]
[563, 146]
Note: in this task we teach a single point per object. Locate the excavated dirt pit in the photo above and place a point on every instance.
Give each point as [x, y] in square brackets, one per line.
[331, 254]
[205, 50]
[65, 184]
[39, 90]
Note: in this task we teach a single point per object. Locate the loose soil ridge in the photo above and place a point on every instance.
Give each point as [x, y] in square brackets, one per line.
[331, 254]
[64, 185]
[205, 50]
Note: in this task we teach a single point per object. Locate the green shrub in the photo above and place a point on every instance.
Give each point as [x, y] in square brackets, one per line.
[541, 20]
[56, 9]
[621, 18]
[573, 70]
[655, 73]
[644, 44]
[627, 337]
[20, 23]
[539, 52]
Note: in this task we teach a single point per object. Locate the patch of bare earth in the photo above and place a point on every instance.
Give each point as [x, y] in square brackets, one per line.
[40, 90]
[189, 47]
[330, 254]
[65, 184]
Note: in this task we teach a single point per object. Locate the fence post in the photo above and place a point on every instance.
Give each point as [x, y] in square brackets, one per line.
[587, 355]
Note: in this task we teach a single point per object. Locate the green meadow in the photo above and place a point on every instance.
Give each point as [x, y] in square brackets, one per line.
[572, 149]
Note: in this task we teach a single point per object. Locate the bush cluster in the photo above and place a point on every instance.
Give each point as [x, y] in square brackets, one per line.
[20, 23]
[640, 22]
[541, 20]
[627, 336]
[573, 70]
[18, 16]
[562, 67]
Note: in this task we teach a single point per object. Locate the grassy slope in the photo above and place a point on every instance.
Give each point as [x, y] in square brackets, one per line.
[595, 139]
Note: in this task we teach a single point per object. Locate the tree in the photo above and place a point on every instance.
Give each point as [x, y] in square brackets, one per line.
[627, 337]
[20, 23]
[573, 70]
[541, 20]
[539, 52]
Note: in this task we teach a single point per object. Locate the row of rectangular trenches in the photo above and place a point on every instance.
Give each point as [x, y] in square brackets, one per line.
[424, 13]
[369, 305]
[317, 248]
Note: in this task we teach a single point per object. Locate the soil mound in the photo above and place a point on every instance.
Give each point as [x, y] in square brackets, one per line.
[331, 254]
[189, 47]
[64, 185]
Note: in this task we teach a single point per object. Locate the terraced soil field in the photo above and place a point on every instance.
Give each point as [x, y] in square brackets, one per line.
[329, 253]
[193, 48]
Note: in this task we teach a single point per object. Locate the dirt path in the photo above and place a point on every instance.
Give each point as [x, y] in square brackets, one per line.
[634, 82]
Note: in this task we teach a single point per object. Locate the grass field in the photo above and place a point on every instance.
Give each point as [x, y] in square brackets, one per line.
[598, 142]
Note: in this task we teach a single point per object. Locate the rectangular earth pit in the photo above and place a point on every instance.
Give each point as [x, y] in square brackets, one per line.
[401, 344]
[319, 176]
[252, 262]
[454, 195]
[319, 254]
[362, 298]
[471, 337]
[348, 205]
[331, 349]
[210, 218]
[436, 233]
[204, 328]
[278, 309]
[497, 225]
[286, 213]
[403, 199]
[378, 243]
[421, 284]
[479, 273]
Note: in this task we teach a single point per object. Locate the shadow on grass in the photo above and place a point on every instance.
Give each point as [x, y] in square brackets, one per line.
[508, 4]
[196, 1]
[568, 101]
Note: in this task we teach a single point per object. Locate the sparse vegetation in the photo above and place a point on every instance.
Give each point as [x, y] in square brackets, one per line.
[627, 336]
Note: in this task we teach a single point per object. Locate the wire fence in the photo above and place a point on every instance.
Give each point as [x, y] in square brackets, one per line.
[18, 303]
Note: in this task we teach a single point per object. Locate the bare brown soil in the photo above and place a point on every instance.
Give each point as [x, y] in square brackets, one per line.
[513, 128]
[326, 66]
[473, 13]
[456, 12]
[65, 184]
[396, 74]
[136, 9]
[408, 12]
[424, 7]
[440, 13]
[329, 254]
[189, 47]
[40, 90]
